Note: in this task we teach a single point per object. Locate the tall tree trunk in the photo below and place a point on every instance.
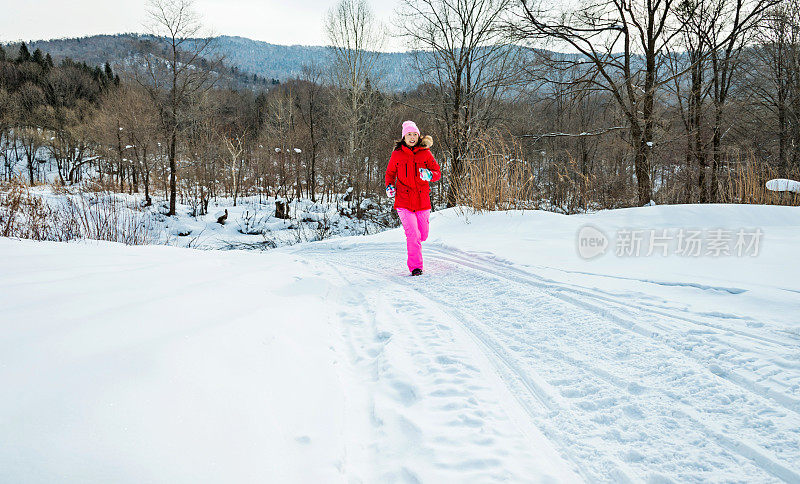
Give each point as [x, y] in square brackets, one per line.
[716, 155]
[783, 134]
[456, 163]
[173, 168]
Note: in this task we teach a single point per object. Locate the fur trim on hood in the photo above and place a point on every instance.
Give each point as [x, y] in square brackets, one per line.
[426, 141]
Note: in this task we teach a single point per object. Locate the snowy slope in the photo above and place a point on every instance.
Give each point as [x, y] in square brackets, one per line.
[512, 359]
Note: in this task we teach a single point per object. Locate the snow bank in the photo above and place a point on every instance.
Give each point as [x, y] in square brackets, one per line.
[159, 364]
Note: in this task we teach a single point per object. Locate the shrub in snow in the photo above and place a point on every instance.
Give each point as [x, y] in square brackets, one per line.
[163, 208]
[250, 223]
[80, 216]
[367, 204]
[182, 230]
[316, 207]
[312, 216]
[348, 194]
[80, 212]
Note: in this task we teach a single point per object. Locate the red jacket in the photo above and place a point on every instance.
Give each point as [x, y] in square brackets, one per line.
[413, 193]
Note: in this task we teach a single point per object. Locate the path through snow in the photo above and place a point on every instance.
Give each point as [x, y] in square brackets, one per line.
[622, 389]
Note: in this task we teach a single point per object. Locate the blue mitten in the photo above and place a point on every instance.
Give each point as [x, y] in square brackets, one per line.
[390, 191]
[425, 174]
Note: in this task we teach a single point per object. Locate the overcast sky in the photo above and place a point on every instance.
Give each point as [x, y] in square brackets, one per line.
[274, 21]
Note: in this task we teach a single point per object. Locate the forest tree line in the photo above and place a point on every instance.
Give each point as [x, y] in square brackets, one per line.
[610, 105]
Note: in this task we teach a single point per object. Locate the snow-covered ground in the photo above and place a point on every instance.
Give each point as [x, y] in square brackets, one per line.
[513, 358]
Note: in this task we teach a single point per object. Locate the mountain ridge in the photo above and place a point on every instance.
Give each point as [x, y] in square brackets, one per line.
[274, 62]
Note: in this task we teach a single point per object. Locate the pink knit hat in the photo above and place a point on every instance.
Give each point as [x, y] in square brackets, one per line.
[409, 127]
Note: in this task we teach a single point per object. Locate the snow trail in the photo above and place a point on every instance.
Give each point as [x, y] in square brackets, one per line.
[625, 391]
[435, 415]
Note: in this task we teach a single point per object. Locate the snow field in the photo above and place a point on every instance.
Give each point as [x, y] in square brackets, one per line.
[511, 359]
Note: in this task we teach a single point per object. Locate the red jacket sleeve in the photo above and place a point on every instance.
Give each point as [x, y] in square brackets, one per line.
[434, 168]
[391, 170]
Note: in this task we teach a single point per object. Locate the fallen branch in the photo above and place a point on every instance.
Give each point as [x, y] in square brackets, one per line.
[597, 132]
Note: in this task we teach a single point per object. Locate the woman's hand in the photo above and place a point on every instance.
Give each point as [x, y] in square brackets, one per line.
[425, 174]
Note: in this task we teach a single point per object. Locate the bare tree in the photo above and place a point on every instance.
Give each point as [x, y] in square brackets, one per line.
[730, 31]
[174, 76]
[692, 52]
[620, 46]
[130, 108]
[309, 104]
[235, 144]
[774, 78]
[714, 34]
[623, 45]
[355, 40]
[279, 135]
[7, 110]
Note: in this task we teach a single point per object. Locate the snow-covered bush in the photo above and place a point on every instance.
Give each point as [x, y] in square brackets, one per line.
[252, 223]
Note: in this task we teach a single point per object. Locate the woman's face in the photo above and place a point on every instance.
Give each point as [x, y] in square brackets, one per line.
[411, 138]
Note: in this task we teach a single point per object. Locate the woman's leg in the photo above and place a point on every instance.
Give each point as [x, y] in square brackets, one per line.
[413, 243]
[422, 223]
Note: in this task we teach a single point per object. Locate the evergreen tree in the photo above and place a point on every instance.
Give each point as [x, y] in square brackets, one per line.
[38, 57]
[49, 60]
[109, 74]
[2, 54]
[24, 54]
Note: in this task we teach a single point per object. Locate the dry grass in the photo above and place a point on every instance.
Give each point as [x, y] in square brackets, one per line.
[570, 191]
[498, 177]
[82, 215]
[495, 176]
[746, 183]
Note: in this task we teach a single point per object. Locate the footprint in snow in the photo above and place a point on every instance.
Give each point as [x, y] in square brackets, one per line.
[405, 393]
[633, 411]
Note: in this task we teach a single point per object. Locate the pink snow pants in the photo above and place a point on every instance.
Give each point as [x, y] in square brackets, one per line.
[415, 225]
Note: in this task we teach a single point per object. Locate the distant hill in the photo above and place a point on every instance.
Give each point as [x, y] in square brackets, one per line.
[286, 61]
[267, 61]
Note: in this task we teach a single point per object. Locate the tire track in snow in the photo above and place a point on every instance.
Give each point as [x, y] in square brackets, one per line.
[760, 458]
[499, 269]
[657, 331]
[520, 382]
[752, 452]
[790, 403]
